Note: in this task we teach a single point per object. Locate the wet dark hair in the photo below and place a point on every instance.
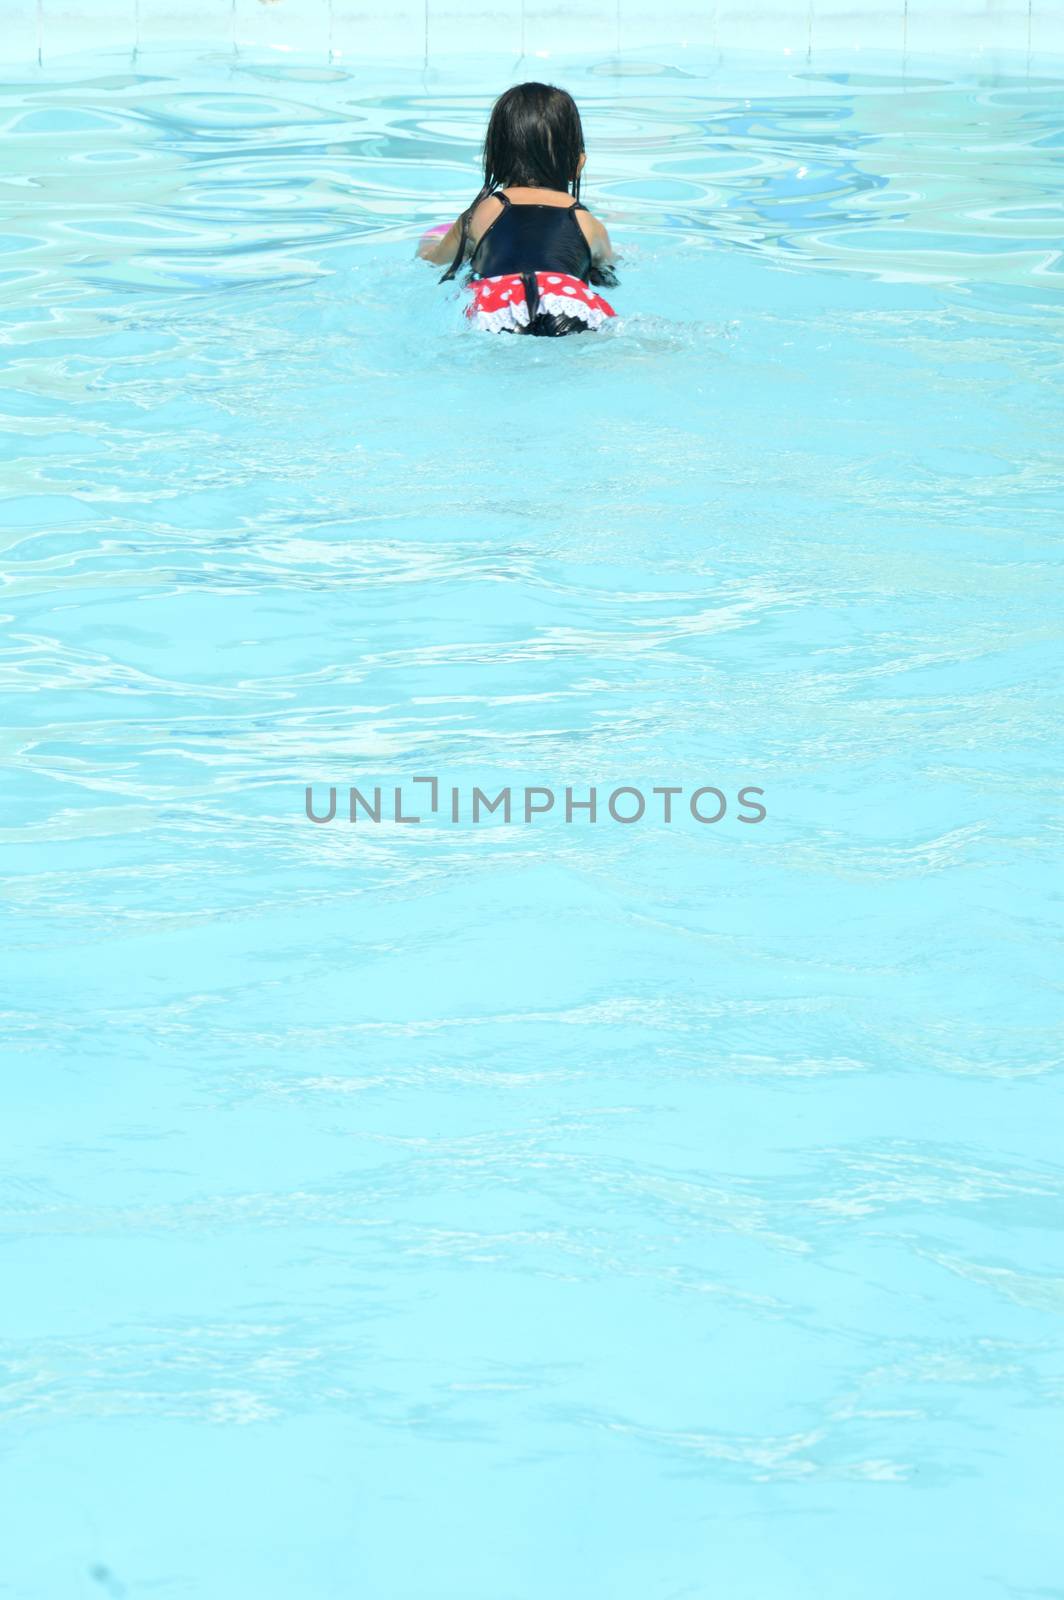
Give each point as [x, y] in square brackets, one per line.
[534, 140]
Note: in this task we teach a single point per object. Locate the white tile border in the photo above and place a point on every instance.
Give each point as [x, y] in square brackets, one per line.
[415, 31]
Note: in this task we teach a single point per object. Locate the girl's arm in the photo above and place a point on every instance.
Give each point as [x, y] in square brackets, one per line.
[439, 244]
[597, 238]
[602, 257]
[601, 248]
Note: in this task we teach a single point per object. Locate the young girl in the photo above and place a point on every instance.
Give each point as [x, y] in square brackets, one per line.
[533, 249]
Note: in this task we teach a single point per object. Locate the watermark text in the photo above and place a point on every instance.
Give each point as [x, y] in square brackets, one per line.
[624, 804]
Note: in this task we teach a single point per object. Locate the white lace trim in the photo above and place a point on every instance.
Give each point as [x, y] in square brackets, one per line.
[512, 316]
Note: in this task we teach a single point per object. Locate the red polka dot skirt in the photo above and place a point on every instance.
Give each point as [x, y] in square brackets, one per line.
[500, 306]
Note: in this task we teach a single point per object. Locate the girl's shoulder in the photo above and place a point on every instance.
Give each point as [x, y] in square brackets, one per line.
[484, 214]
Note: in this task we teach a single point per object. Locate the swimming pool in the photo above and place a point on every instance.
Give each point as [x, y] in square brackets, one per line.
[487, 1211]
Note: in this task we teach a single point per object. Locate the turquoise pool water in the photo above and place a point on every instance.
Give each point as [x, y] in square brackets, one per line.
[491, 1212]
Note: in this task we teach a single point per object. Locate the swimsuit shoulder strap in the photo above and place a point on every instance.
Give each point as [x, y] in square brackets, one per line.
[501, 198]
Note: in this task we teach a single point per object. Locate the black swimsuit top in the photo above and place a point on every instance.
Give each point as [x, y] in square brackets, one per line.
[532, 238]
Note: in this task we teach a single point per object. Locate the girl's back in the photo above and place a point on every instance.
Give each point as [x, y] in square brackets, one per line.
[527, 235]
